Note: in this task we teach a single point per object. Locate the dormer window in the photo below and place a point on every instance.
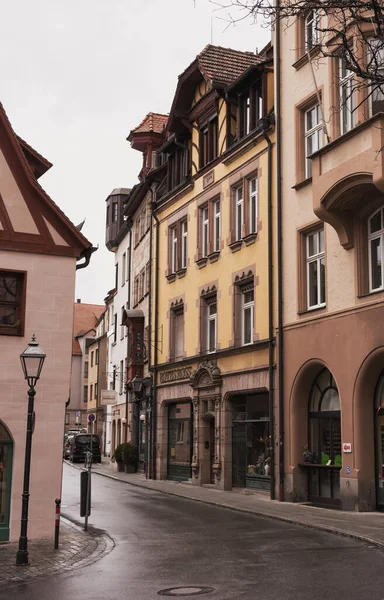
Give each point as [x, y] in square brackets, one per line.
[176, 168]
[208, 142]
[250, 110]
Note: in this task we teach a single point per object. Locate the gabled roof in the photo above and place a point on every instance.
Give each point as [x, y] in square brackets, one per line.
[36, 161]
[152, 123]
[48, 230]
[85, 318]
[218, 66]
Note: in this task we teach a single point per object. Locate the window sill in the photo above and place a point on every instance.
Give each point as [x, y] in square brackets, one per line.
[250, 239]
[302, 184]
[368, 294]
[235, 246]
[214, 256]
[171, 277]
[308, 311]
[201, 262]
[303, 60]
[181, 273]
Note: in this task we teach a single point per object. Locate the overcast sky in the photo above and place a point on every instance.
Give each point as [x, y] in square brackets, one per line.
[77, 75]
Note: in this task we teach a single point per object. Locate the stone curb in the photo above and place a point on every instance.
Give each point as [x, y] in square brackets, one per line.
[258, 513]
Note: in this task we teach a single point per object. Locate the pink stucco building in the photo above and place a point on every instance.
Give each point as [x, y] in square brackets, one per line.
[39, 250]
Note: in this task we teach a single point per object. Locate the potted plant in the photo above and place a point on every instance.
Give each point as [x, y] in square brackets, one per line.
[130, 457]
[117, 459]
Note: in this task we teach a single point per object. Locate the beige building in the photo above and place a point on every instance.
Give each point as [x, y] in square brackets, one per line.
[97, 378]
[39, 249]
[333, 279]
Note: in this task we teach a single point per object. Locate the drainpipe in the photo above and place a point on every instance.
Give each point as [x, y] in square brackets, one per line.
[156, 341]
[270, 318]
[280, 364]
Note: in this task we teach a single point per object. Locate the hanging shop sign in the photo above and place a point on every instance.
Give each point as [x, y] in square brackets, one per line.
[108, 397]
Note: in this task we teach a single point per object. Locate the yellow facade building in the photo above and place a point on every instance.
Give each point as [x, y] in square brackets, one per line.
[212, 322]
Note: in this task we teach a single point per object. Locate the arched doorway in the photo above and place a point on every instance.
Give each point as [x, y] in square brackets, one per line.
[324, 441]
[6, 454]
[379, 441]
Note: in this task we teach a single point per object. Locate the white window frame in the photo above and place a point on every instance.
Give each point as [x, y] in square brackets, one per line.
[317, 257]
[253, 204]
[184, 244]
[311, 31]
[315, 133]
[378, 93]
[204, 231]
[121, 382]
[245, 307]
[346, 83]
[174, 249]
[239, 207]
[216, 226]
[211, 318]
[123, 269]
[377, 235]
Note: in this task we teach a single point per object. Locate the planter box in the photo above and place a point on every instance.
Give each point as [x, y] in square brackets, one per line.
[130, 468]
[118, 467]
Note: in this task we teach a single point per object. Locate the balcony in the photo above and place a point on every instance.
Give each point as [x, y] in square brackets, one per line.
[348, 177]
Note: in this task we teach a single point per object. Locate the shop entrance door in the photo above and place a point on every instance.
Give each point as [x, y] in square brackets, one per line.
[179, 466]
[6, 454]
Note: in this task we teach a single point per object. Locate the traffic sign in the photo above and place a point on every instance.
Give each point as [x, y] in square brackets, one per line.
[91, 417]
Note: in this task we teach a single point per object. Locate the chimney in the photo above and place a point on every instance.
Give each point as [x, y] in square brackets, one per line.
[78, 301]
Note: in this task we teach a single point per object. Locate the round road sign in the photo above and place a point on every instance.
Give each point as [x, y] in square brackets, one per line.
[91, 418]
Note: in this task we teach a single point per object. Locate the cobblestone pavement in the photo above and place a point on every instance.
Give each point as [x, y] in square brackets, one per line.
[77, 549]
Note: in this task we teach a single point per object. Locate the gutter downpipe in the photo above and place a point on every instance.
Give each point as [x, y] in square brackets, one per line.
[129, 306]
[270, 319]
[280, 364]
[156, 341]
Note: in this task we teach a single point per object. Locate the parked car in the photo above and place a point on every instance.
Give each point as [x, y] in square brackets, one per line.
[81, 443]
[66, 446]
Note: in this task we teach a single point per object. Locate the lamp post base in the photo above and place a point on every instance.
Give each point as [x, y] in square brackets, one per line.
[22, 558]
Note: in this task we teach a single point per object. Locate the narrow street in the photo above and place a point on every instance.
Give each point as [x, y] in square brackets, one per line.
[163, 541]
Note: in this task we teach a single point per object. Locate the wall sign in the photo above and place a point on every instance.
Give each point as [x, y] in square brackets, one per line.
[108, 397]
[347, 447]
[176, 374]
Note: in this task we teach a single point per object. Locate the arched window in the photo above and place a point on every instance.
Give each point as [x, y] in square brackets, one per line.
[324, 437]
[375, 249]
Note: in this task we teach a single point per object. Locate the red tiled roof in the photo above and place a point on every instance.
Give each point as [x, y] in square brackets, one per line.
[85, 317]
[224, 64]
[153, 122]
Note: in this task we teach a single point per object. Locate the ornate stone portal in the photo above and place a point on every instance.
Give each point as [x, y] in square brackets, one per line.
[206, 382]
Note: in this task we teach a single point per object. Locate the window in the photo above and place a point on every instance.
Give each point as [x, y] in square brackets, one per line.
[92, 358]
[123, 269]
[375, 250]
[126, 328]
[121, 378]
[315, 271]
[85, 394]
[217, 226]
[177, 333]
[248, 304]
[91, 392]
[313, 135]
[143, 222]
[375, 63]
[174, 249]
[136, 285]
[253, 197]
[204, 232]
[211, 324]
[180, 431]
[12, 302]
[86, 369]
[128, 254]
[239, 212]
[114, 378]
[311, 29]
[116, 275]
[115, 328]
[142, 284]
[184, 244]
[346, 97]
[122, 327]
[96, 391]
[114, 212]
[96, 356]
[208, 142]
[250, 110]
[177, 168]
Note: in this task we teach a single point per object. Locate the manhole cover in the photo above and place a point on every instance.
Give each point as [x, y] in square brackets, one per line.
[186, 591]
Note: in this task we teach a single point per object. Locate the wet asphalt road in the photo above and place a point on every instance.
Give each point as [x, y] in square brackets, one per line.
[164, 541]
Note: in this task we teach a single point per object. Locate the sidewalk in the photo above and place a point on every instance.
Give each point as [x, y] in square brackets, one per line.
[77, 548]
[366, 526]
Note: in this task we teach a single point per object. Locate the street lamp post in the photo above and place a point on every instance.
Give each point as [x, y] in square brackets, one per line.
[32, 360]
